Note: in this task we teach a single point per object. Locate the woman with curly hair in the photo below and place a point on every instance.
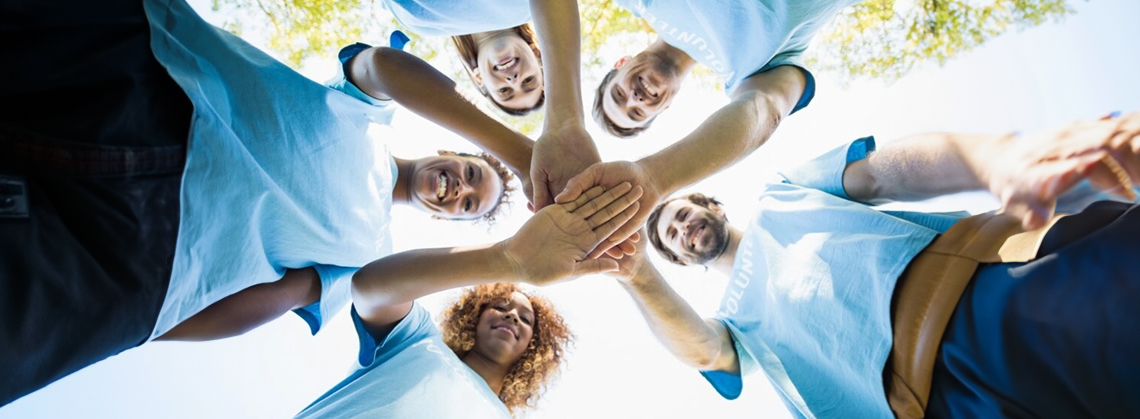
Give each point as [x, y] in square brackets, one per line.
[497, 347]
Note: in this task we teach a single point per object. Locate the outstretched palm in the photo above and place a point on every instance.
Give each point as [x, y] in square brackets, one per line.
[555, 243]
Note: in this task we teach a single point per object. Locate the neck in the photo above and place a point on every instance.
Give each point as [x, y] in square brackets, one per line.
[492, 372]
[724, 262]
[667, 52]
[402, 192]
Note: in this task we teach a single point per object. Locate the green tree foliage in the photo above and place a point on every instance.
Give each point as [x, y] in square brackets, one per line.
[885, 39]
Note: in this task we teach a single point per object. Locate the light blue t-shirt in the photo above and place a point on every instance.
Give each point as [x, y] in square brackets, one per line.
[739, 38]
[459, 17]
[809, 297]
[279, 172]
[808, 302]
[410, 373]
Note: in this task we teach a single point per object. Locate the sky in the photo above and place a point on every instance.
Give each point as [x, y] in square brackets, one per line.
[1082, 67]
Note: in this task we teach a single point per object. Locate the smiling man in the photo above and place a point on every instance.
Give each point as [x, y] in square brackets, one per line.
[738, 40]
[859, 313]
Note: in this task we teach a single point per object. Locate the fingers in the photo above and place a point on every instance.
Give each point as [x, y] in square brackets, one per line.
[580, 183]
[615, 253]
[628, 247]
[595, 266]
[583, 199]
[616, 226]
[610, 204]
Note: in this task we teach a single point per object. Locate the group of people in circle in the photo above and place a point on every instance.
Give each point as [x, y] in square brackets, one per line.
[258, 193]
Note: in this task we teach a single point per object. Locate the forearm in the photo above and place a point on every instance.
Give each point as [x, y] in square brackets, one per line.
[406, 276]
[557, 24]
[419, 87]
[727, 136]
[699, 343]
[925, 166]
[249, 308]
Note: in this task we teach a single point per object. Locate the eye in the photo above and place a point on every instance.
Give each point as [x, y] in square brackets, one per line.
[504, 90]
[528, 80]
[470, 172]
[683, 215]
[672, 233]
[526, 320]
[468, 204]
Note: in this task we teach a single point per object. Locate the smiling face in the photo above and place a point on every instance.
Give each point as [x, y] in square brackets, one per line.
[455, 187]
[642, 87]
[505, 328]
[693, 234]
[510, 71]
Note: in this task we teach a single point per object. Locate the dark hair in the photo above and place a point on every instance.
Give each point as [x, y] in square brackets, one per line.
[469, 54]
[651, 223]
[604, 120]
[505, 177]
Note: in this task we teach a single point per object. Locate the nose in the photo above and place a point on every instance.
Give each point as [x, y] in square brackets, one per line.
[462, 188]
[513, 76]
[512, 316]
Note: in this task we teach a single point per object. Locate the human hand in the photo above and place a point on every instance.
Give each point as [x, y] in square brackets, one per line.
[554, 244]
[1038, 168]
[559, 154]
[609, 174]
[633, 265]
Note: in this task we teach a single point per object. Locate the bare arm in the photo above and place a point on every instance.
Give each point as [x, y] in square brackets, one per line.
[731, 133]
[565, 148]
[250, 308]
[1027, 173]
[924, 166]
[387, 73]
[704, 344]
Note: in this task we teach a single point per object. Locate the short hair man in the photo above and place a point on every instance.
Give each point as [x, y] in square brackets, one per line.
[737, 40]
[823, 288]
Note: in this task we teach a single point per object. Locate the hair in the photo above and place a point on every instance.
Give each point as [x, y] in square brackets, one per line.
[651, 223]
[604, 120]
[505, 177]
[469, 54]
[539, 365]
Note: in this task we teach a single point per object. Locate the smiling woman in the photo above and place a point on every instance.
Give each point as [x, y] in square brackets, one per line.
[468, 329]
[455, 186]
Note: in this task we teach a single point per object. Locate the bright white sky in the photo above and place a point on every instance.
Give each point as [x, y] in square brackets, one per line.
[1083, 67]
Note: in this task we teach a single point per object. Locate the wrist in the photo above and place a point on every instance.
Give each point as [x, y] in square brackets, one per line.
[507, 262]
[654, 177]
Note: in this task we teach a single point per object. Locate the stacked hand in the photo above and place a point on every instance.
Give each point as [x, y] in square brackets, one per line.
[555, 243]
[1038, 168]
[559, 154]
[609, 174]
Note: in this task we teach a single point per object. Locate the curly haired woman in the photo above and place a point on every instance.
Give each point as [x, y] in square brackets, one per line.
[497, 347]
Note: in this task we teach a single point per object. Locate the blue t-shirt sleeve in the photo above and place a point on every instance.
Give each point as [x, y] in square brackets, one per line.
[336, 291]
[382, 110]
[730, 385]
[794, 59]
[825, 172]
[376, 349]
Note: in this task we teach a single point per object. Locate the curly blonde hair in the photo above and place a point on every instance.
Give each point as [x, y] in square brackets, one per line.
[538, 366]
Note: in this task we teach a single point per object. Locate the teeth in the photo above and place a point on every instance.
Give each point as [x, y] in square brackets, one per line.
[644, 85]
[441, 190]
[507, 64]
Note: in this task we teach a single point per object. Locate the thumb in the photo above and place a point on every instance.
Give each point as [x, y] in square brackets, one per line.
[541, 191]
[579, 184]
[595, 266]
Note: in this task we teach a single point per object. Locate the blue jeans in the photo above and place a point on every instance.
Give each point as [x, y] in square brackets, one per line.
[1058, 337]
[92, 146]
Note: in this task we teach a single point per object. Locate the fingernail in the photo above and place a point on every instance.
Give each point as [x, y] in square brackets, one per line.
[1114, 114]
